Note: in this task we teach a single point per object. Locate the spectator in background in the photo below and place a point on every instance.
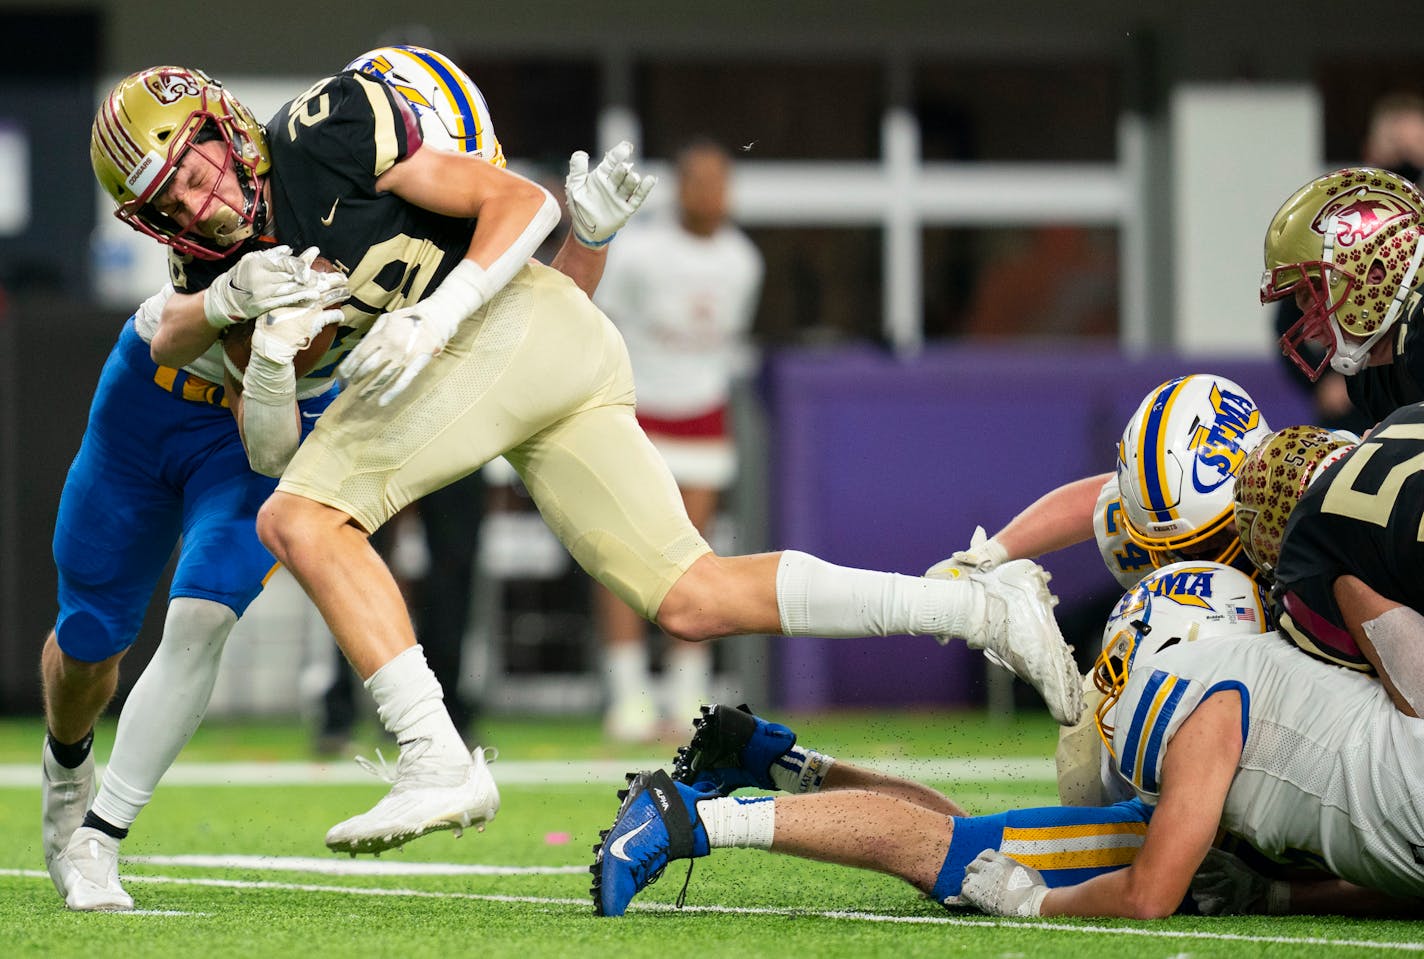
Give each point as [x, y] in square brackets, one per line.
[1394, 141]
[683, 291]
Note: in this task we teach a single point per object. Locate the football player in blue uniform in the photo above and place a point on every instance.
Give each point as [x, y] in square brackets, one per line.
[466, 351]
[1169, 500]
[162, 460]
[1213, 723]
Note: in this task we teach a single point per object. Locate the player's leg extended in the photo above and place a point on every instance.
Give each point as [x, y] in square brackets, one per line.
[661, 821]
[732, 749]
[603, 489]
[502, 378]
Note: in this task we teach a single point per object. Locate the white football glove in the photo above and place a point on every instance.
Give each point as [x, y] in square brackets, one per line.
[398, 347]
[404, 341]
[602, 201]
[982, 555]
[999, 886]
[265, 280]
[279, 335]
[1225, 886]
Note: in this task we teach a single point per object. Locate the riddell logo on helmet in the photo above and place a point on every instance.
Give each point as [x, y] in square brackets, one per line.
[1359, 215]
[170, 87]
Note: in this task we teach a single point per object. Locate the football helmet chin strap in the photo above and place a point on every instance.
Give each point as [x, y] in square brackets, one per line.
[228, 226]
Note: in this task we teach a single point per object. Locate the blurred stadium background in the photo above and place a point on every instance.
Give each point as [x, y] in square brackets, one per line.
[989, 229]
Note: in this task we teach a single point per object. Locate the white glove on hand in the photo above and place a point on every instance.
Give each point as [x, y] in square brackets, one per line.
[602, 201]
[999, 886]
[399, 346]
[983, 553]
[1225, 886]
[279, 335]
[265, 280]
[404, 341]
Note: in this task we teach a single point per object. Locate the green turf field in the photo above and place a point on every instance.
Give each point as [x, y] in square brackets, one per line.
[229, 861]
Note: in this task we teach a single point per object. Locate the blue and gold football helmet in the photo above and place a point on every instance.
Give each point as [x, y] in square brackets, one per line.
[451, 110]
[1179, 603]
[1177, 461]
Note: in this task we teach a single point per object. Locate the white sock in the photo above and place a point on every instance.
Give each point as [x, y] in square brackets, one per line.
[626, 668]
[801, 770]
[165, 707]
[816, 598]
[411, 705]
[732, 822]
[687, 674]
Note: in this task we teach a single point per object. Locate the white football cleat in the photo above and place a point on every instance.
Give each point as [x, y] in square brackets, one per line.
[1023, 636]
[425, 796]
[65, 795]
[88, 867]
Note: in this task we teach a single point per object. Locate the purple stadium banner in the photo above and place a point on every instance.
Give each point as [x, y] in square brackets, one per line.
[889, 464]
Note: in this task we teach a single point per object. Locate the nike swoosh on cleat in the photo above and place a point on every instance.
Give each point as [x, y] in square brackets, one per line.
[616, 847]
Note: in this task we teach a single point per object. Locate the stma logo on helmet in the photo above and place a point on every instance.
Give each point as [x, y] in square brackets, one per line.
[1185, 587]
[1359, 215]
[1218, 443]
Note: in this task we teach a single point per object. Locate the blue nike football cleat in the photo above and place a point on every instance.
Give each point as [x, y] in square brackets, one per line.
[732, 749]
[656, 824]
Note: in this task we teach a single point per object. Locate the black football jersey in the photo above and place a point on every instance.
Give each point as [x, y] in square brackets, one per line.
[1378, 391]
[328, 146]
[1362, 518]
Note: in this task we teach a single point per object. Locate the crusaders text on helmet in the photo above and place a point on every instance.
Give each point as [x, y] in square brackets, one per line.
[142, 131]
[1179, 603]
[1176, 463]
[451, 110]
[1347, 247]
[1273, 479]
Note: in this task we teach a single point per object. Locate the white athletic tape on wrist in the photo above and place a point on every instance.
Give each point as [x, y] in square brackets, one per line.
[469, 286]
[271, 429]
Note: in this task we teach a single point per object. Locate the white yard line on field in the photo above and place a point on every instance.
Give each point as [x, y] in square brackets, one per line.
[537, 773]
[332, 866]
[583, 903]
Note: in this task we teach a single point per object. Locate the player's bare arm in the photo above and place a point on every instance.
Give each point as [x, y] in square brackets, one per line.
[1197, 770]
[183, 334]
[458, 185]
[1059, 518]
